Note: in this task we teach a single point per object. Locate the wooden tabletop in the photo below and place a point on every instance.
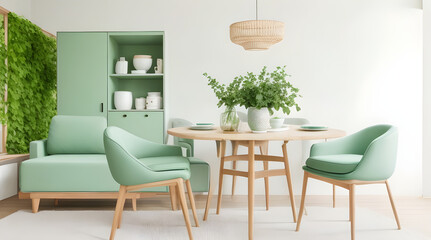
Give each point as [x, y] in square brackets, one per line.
[293, 133]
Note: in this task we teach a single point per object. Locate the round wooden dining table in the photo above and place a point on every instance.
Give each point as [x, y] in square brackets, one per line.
[293, 132]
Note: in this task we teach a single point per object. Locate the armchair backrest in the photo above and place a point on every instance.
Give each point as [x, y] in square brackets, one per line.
[119, 147]
[296, 121]
[76, 135]
[380, 155]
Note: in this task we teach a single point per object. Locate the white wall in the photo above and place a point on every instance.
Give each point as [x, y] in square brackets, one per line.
[427, 99]
[356, 62]
[20, 7]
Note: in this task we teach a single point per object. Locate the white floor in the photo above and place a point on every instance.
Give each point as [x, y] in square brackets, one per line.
[320, 224]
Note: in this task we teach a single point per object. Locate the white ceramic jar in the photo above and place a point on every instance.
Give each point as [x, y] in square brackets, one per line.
[123, 100]
[154, 100]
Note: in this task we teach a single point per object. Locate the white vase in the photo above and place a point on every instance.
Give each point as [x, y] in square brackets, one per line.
[123, 100]
[258, 119]
[121, 66]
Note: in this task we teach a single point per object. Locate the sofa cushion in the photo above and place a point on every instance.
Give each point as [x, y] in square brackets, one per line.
[76, 135]
[342, 163]
[70, 173]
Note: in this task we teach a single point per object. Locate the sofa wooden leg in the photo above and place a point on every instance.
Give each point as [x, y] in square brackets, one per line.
[35, 204]
[56, 202]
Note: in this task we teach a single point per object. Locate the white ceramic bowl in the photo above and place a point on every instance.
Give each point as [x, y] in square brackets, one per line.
[276, 122]
[142, 63]
[123, 100]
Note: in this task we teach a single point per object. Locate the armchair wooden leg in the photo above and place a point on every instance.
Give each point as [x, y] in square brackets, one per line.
[192, 202]
[352, 211]
[209, 197]
[180, 188]
[174, 199]
[264, 151]
[220, 183]
[333, 195]
[120, 201]
[234, 152]
[301, 209]
[35, 204]
[393, 205]
[121, 211]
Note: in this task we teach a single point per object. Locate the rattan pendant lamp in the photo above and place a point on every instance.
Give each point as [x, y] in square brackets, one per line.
[257, 34]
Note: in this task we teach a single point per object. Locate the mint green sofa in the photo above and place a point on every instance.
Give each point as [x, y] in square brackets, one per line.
[71, 164]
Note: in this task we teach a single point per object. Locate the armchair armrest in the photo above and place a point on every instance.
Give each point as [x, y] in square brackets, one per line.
[38, 148]
[142, 148]
[188, 147]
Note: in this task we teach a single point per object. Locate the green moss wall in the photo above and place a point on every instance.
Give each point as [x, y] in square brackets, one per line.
[31, 82]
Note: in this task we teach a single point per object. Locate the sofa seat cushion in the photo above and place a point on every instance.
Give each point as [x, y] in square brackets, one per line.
[342, 163]
[69, 173]
[167, 163]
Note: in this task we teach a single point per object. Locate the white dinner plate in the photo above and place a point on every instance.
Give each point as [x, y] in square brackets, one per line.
[284, 127]
[202, 127]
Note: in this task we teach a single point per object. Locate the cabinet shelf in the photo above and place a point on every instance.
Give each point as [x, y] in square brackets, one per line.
[138, 76]
[134, 110]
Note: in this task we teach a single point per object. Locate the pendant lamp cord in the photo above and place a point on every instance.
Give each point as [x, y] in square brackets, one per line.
[256, 9]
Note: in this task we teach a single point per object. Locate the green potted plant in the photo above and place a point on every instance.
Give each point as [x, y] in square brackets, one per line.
[229, 97]
[262, 94]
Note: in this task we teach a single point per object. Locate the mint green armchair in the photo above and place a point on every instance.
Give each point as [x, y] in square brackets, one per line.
[366, 157]
[188, 144]
[136, 163]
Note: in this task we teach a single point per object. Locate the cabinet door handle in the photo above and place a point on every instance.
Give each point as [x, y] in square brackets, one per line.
[125, 115]
[101, 107]
[146, 115]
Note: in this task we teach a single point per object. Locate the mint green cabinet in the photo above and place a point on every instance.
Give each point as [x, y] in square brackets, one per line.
[86, 79]
[82, 73]
[148, 125]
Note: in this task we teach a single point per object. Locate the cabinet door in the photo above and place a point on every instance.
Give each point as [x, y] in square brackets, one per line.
[148, 125]
[82, 73]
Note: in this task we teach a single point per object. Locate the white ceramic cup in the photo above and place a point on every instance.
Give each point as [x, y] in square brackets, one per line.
[140, 103]
[123, 100]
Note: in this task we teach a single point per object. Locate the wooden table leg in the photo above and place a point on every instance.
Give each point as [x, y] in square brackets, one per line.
[289, 181]
[220, 180]
[251, 178]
